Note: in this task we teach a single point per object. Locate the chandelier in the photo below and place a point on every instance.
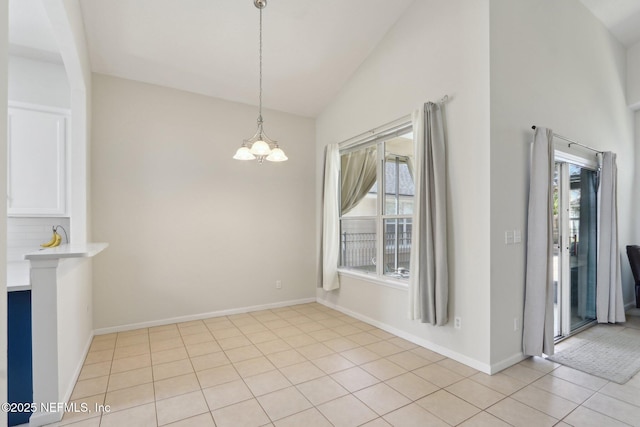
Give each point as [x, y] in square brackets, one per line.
[260, 146]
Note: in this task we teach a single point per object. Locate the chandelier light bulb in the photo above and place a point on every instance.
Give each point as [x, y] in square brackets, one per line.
[277, 155]
[260, 148]
[244, 153]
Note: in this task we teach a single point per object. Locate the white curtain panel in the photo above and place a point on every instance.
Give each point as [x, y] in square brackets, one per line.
[331, 219]
[537, 330]
[609, 302]
[429, 279]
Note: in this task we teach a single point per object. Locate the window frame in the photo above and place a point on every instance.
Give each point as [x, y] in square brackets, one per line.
[384, 217]
[377, 137]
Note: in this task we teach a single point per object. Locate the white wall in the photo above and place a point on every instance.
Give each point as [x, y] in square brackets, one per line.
[4, 52]
[435, 48]
[75, 289]
[192, 231]
[68, 27]
[553, 64]
[75, 325]
[633, 76]
[38, 82]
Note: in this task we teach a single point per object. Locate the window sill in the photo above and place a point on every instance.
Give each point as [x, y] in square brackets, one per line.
[402, 285]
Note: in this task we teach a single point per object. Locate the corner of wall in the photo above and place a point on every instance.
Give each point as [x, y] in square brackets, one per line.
[4, 54]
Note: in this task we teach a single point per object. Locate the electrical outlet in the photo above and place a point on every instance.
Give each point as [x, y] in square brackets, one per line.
[457, 322]
[516, 325]
[508, 237]
[517, 236]
[278, 284]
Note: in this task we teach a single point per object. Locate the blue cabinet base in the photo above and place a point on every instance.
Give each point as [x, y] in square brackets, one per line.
[20, 375]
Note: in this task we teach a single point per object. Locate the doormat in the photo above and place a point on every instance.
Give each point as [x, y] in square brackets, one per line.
[614, 357]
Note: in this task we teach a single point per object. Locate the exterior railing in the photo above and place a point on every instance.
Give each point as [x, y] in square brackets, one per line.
[358, 250]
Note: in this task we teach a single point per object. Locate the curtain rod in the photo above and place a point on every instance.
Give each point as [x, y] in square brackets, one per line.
[571, 141]
[391, 126]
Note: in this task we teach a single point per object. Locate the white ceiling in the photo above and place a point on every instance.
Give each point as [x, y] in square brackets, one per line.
[210, 47]
[621, 17]
[30, 32]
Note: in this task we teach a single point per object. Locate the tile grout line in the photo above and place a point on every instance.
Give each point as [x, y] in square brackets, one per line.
[319, 316]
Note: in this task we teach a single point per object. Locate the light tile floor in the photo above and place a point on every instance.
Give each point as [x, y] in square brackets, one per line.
[311, 366]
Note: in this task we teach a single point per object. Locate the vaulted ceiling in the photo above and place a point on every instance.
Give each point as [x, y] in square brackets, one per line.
[211, 46]
[311, 48]
[621, 17]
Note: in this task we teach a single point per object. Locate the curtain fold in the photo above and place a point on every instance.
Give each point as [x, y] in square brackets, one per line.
[331, 219]
[358, 176]
[609, 302]
[429, 279]
[537, 328]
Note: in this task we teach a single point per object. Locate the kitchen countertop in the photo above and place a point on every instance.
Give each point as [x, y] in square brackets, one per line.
[73, 250]
[18, 276]
[19, 272]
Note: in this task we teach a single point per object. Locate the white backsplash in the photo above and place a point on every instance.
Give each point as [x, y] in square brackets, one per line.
[25, 235]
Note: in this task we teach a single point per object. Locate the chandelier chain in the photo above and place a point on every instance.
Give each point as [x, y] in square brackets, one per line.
[259, 146]
[260, 39]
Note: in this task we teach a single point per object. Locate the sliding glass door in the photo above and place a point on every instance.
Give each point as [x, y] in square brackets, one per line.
[574, 238]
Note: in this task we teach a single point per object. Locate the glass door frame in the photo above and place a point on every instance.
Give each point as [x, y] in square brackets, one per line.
[564, 273]
[563, 293]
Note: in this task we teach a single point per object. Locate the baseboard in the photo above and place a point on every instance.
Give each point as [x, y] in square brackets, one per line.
[482, 367]
[76, 373]
[630, 306]
[505, 363]
[188, 318]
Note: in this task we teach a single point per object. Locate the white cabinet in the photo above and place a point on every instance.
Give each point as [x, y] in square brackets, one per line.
[36, 161]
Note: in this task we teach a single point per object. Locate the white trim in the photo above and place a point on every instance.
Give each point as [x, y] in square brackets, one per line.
[480, 366]
[377, 137]
[582, 161]
[76, 373]
[564, 261]
[505, 363]
[629, 306]
[395, 128]
[375, 279]
[39, 107]
[188, 318]
[44, 336]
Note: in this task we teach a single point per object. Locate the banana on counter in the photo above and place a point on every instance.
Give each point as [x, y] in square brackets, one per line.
[55, 240]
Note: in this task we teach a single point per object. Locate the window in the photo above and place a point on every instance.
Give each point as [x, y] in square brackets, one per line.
[376, 225]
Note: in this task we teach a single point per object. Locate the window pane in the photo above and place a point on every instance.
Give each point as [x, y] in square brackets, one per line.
[377, 196]
[358, 244]
[398, 176]
[358, 177]
[397, 247]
